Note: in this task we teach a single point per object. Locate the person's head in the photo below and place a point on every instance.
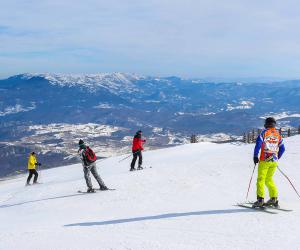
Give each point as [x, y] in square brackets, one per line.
[81, 144]
[138, 134]
[270, 122]
[33, 153]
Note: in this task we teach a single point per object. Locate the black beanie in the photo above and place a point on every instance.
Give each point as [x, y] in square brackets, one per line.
[80, 142]
[270, 122]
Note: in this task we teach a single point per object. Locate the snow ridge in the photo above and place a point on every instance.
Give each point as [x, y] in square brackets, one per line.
[115, 82]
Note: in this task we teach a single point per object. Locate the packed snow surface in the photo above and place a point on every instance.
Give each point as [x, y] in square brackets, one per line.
[185, 201]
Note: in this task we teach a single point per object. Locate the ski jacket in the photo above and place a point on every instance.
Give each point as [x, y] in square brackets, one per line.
[270, 145]
[137, 143]
[31, 162]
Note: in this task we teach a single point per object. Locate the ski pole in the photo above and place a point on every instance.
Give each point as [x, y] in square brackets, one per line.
[250, 182]
[127, 157]
[40, 172]
[288, 180]
[124, 158]
[101, 160]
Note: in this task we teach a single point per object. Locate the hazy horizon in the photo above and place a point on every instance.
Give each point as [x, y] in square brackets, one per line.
[208, 78]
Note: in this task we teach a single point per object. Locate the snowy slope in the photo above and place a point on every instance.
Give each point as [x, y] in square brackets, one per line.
[185, 201]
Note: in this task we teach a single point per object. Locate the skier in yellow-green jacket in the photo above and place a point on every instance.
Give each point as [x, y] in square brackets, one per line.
[32, 163]
[270, 146]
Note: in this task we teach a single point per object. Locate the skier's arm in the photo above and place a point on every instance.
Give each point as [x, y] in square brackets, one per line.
[258, 145]
[81, 155]
[141, 144]
[281, 149]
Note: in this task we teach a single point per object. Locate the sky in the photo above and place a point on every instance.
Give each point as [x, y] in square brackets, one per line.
[190, 38]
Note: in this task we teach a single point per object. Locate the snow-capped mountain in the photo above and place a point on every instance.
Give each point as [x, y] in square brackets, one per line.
[114, 82]
[185, 201]
[168, 109]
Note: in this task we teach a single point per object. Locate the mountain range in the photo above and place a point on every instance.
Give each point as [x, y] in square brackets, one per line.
[49, 113]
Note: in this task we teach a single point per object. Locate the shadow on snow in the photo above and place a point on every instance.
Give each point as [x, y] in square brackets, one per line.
[162, 216]
[38, 200]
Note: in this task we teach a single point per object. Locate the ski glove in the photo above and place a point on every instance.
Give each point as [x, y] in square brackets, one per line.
[255, 160]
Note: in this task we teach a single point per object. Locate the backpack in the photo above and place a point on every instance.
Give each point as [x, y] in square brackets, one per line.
[271, 144]
[89, 155]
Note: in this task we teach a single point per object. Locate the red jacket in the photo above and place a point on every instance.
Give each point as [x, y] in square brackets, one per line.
[137, 144]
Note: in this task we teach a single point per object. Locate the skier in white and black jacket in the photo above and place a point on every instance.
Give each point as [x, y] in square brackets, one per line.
[89, 167]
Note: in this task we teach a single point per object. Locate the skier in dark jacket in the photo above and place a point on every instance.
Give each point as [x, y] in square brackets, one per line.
[89, 167]
[137, 148]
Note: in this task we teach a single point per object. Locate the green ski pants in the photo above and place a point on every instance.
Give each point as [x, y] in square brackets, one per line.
[266, 171]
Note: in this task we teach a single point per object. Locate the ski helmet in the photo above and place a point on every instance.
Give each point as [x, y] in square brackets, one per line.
[270, 122]
[81, 142]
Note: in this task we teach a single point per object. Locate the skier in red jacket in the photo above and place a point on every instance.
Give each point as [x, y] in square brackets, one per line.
[137, 147]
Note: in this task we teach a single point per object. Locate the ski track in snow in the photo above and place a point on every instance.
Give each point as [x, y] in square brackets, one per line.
[185, 201]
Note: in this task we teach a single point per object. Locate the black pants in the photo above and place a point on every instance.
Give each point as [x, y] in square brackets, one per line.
[31, 173]
[136, 154]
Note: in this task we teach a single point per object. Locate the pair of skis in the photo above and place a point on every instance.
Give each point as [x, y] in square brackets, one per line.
[266, 209]
[95, 191]
[139, 169]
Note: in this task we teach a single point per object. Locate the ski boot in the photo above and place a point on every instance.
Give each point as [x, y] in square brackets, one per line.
[90, 190]
[140, 167]
[259, 202]
[132, 169]
[273, 202]
[103, 188]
